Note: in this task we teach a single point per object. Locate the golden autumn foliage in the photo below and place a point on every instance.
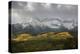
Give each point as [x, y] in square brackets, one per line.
[48, 35]
[62, 35]
[22, 37]
[45, 41]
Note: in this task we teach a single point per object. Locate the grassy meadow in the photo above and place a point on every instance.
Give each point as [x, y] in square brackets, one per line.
[25, 42]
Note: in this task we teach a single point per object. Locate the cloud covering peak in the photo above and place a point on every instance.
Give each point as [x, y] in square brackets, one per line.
[26, 11]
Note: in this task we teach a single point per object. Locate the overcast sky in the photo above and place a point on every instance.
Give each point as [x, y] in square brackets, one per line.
[22, 11]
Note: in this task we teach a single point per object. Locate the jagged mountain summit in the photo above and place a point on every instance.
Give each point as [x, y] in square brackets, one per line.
[35, 26]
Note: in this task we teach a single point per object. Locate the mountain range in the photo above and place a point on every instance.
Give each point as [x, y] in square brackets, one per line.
[35, 26]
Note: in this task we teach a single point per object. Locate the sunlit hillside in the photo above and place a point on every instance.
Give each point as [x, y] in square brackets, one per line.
[51, 35]
[44, 41]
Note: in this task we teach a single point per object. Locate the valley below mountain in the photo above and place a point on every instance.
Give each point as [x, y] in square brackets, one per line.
[26, 42]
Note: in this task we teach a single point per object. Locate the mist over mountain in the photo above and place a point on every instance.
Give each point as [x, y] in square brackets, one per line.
[42, 17]
[35, 26]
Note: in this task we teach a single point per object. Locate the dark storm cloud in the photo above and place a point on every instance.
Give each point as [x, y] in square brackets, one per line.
[42, 11]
